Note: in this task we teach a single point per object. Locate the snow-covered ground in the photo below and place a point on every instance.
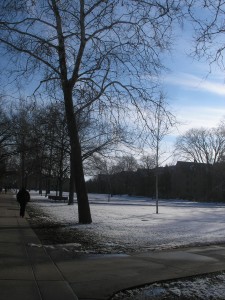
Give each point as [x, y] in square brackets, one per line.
[200, 287]
[132, 221]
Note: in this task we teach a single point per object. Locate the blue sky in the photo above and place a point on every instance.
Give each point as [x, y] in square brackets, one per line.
[195, 92]
[196, 95]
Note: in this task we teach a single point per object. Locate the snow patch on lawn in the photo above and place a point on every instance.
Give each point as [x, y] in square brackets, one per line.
[132, 221]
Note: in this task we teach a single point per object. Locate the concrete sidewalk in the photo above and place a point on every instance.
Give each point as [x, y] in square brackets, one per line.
[100, 276]
[26, 272]
[29, 272]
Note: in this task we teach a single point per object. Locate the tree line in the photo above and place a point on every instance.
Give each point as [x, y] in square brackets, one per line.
[199, 173]
[35, 148]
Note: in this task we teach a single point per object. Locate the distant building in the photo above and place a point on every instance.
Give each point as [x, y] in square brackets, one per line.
[185, 180]
[191, 180]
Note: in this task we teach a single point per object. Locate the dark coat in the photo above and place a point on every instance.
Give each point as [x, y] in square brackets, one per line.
[23, 196]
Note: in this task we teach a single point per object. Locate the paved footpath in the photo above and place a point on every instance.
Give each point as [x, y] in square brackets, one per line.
[28, 272]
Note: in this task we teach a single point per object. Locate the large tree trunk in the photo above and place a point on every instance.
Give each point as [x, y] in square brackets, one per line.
[76, 158]
[71, 187]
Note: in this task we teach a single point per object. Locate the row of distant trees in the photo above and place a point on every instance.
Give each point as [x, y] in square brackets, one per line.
[33, 144]
[202, 145]
[185, 180]
[127, 175]
[35, 147]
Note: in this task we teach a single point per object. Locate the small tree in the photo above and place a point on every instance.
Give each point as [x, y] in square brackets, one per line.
[158, 125]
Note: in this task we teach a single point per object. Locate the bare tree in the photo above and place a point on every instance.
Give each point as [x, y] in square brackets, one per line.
[126, 163]
[98, 45]
[101, 165]
[21, 141]
[202, 145]
[5, 135]
[158, 124]
[6, 150]
[207, 17]
[44, 140]
[147, 162]
[163, 122]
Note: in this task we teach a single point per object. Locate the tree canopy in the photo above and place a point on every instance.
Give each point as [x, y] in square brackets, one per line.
[97, 53]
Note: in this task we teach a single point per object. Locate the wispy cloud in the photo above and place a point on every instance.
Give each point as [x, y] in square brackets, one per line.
[196, 83]
[199, 116]
[194, 117]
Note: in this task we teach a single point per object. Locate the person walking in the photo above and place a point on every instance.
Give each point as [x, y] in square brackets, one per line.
[23, 197]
